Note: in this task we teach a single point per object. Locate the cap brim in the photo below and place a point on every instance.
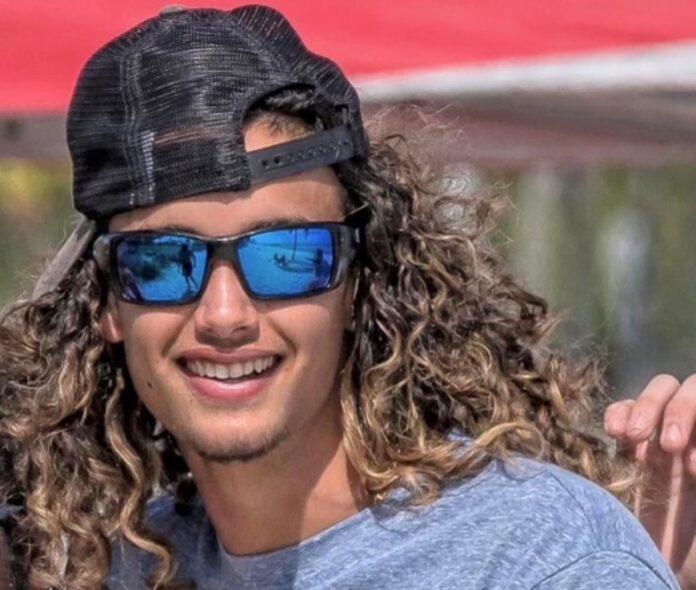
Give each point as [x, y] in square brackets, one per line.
[70, 252]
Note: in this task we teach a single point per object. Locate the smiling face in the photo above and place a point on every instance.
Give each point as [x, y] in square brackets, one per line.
[228, 376]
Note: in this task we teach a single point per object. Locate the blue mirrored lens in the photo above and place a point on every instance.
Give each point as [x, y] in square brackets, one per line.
[160, 268]
[287, 262]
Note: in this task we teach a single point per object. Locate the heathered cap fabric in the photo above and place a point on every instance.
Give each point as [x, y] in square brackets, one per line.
[158, 113]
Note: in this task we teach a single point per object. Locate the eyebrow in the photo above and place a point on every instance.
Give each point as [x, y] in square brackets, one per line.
[264, 224]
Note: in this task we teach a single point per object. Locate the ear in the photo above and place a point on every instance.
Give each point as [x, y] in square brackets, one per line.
[110, 321]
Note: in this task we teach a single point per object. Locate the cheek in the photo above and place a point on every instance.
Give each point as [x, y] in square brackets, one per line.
[316, 330]
[147, 338]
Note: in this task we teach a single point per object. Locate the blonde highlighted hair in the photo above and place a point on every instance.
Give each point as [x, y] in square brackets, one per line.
[445, 344]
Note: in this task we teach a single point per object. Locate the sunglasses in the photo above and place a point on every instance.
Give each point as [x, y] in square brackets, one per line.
[284, 262]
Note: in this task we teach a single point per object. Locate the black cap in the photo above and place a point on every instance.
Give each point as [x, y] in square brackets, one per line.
[158, 113]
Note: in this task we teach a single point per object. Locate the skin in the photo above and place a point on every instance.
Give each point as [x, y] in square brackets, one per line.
[658, 428]
[272, 464]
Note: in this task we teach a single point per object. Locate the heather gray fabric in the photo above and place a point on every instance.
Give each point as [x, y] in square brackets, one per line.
[529, 526]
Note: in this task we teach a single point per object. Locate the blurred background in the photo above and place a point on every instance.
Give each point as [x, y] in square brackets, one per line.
[582, 113]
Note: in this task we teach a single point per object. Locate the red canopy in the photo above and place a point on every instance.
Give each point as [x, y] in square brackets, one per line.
[44, 44]
[587, 81]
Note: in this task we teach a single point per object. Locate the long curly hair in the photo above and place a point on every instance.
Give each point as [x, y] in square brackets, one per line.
[446, 369]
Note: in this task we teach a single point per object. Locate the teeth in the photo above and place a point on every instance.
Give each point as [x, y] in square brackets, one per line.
[229, 371]
[209, 370]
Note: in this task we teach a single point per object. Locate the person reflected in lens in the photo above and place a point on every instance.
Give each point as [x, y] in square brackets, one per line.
[187, 261]
[321, 269]
[280, 259]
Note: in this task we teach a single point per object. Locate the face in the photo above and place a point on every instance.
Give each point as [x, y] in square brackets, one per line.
[294, 347]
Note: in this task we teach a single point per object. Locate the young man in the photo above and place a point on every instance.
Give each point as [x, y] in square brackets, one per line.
[384, 419]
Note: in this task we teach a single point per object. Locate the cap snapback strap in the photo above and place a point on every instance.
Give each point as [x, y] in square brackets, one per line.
[322, 148]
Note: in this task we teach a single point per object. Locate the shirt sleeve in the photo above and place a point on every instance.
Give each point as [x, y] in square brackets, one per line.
[617, 570]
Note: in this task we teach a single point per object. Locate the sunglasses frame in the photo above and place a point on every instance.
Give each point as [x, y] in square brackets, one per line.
[348, 237]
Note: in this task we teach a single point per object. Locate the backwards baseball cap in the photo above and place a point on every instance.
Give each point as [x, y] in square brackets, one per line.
[158, 115]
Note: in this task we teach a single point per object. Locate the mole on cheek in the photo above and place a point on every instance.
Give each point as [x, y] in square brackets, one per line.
[149, 385]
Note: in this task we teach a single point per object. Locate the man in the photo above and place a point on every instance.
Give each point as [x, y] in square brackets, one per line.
[387, 421]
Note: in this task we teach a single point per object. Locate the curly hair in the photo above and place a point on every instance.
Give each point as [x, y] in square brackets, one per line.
[446, 370]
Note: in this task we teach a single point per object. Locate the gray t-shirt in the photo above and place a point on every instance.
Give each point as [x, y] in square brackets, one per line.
[521, 527]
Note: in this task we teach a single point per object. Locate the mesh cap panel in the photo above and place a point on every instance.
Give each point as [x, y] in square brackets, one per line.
[157, 114]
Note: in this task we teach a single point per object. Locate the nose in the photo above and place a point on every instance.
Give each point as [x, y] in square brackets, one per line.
[225, 314]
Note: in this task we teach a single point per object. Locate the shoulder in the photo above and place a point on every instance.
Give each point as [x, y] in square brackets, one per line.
[553, 496]
[550, 500]
[544, 518]
[534, 491]
[182, 531]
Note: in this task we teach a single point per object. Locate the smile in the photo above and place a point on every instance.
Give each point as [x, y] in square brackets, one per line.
[230, 371]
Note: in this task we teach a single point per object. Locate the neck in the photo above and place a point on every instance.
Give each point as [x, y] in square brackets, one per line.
[300, 488]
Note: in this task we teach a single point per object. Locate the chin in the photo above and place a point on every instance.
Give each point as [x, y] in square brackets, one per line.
[241, 447]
